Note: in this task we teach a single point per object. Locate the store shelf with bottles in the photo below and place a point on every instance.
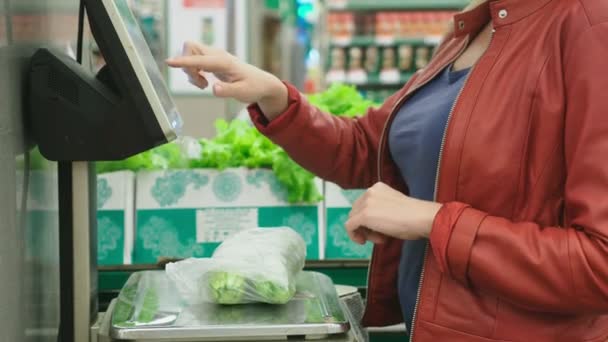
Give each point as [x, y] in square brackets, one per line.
[366, 5]
[376, 67]
[365, 41]
[378, 50]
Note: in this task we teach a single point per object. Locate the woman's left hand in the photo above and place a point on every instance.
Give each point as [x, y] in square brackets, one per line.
[382, 212]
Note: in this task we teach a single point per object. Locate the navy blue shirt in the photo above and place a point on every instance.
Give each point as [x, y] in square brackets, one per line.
[415, 139]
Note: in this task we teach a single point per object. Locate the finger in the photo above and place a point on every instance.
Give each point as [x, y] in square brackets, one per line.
[191, 72]
[224, 89]
[196, 48]
[354, 223]
[358, 237]
[192, 48]
[207, 63]
[358, 204]
[375, 237]
[199, 81]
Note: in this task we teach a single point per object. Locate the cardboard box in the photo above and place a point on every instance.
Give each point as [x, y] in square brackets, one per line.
[115, 218]
[338, 203]
[40, 210]
[188, 213]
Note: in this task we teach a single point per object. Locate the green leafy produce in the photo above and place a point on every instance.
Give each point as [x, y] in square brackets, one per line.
[314, 313]
[167, 156]
[238, 144]
[124, 310]
[274, 293]
[226, 287]
[258, 265]
[149, 307]
[37, 161]
[341, 100]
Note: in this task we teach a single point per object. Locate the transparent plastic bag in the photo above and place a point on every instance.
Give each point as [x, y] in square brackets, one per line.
[254, 266]
[148, 298]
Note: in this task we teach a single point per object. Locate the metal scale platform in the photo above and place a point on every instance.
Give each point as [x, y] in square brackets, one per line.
[150, 309]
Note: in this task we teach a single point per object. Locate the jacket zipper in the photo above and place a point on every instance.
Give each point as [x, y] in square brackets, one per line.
[381, 148]
[437, 181]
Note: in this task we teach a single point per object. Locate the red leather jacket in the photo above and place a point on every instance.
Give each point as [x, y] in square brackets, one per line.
[519, 250]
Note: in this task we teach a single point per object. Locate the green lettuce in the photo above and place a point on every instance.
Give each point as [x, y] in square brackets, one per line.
[149, 307]
[341, 100]
[273, 293]
[124, 310]
[238, 144]
[226, 287]
[167, 156]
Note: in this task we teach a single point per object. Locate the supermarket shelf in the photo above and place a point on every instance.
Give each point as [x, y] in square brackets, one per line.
[371, 41]
[376, 83]
[387, 5]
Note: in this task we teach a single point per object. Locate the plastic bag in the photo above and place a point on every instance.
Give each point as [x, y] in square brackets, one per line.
[148, 298]
[254, 266]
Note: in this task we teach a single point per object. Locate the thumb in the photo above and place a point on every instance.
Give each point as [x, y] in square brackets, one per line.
[225, 89]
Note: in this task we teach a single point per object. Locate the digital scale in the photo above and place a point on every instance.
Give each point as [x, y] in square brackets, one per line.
[77, 117]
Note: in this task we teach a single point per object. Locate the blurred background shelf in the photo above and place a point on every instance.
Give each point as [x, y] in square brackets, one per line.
[374, 81]
[365, 41]
[399, 5]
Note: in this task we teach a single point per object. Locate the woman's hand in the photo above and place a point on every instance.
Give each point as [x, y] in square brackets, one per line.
[238, 80]
[383, 211]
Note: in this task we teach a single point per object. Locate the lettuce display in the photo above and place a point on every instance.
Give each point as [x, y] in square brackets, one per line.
[168, 156]
[341, 100]
[254, 266]
[238, 144]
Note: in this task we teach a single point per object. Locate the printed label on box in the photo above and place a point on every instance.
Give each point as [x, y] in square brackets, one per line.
[216, 225]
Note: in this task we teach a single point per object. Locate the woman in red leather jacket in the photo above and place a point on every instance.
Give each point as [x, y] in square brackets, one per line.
[515, 231]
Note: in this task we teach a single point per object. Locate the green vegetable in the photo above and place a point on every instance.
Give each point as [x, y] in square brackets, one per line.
[238, 144]
[124, 308]
[227, 288]
[341, 100]
[149, 306]
[313, 311]
[273, 293]
[167, 156]
[37, 161]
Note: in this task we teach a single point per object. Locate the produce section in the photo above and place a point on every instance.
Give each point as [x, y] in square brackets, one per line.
[144, 248]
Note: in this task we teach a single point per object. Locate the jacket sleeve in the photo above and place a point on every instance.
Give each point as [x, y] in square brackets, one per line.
[547, 269]
[340, 150]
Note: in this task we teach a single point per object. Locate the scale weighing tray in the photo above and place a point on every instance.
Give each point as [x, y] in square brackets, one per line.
[314, 313]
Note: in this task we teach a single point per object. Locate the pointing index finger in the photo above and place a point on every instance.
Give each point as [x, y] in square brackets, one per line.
[206, 63]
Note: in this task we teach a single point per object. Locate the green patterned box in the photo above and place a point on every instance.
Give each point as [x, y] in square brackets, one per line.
[41, 215]
[115, 217]
[338, 203]
[188, 213]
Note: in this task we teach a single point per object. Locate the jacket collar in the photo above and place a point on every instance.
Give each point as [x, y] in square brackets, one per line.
[500, 12]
